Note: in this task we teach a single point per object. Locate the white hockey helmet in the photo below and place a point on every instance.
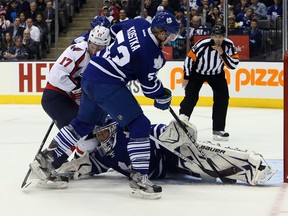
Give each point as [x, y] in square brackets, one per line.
[100, 35]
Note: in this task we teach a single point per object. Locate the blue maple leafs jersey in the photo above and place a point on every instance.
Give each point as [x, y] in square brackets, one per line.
[81, 38]
[135, 54]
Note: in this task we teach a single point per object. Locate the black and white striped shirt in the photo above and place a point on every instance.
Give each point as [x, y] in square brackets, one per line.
[203, 59]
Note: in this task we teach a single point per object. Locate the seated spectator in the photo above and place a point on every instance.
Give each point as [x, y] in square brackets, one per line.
[41, 5]
[233, 28]
[49, 17]
[16, 52]
[196, 28]
[4, 24]
[34, 30]
[181, 18]
[33, 11]
[221, 8]
[105, 12]
[124, 5]
[241, 7]
[204, 10]
[212, 16]
[167, 7]
[7, 43]
[192, 3]
[63, 16]
[255, 40]
[260, 9]
[42, 25]
[70, 10]
[12, 10]
[24, 6]
[113, 10]
[30, 45]
[175, 4]
[150, 8]
[22, 17]
[122, 16]
[244, 20]
[132, 8]
[194, 11]
[145, 16]
[275, 10]
[16, 29]
[219, 21]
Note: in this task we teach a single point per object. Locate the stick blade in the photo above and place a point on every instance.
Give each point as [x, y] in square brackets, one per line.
[24, 183]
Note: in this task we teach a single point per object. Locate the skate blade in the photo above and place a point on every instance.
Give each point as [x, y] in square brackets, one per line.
[52, 184]
[219, 138]
[136, 193]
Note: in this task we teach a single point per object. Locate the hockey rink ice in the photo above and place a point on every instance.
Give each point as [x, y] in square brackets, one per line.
[22, 128]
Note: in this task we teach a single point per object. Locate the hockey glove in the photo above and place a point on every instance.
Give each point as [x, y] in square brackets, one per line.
[76, 95]
[163, 102]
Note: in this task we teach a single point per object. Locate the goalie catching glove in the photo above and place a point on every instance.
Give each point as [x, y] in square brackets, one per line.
[163, 102]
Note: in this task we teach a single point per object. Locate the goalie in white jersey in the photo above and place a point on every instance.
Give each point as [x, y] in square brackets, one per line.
[62, 94]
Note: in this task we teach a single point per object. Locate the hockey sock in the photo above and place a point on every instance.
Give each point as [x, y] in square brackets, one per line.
[139, 153]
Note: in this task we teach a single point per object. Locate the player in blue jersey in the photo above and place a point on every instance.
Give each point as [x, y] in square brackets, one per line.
[134, 55]
[96, 21]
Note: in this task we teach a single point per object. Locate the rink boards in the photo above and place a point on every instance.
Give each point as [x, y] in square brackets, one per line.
[252, 84]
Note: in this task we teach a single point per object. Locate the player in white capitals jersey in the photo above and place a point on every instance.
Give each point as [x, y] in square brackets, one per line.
[62, 94]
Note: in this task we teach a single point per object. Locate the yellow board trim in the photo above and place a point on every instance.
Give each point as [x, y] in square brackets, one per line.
[203, 101]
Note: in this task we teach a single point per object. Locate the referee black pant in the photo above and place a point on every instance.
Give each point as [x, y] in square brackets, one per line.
[220, 90]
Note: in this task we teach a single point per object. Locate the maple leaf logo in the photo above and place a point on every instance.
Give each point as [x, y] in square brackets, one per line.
[158, 62]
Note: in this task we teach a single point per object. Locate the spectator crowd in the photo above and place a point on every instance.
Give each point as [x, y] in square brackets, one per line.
[27, 27]
[39, 18]
[243, 16]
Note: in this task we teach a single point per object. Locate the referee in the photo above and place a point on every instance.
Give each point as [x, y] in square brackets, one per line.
[205, 63]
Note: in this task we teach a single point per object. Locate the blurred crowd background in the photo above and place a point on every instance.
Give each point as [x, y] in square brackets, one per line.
[31, 26]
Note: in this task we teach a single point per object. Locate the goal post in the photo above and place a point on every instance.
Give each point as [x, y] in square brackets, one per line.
[285, 114]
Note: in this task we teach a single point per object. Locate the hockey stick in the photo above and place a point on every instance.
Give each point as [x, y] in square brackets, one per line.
[209, 161]
[24, 183]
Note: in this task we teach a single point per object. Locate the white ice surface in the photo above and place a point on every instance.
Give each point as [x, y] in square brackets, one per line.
[22, 128]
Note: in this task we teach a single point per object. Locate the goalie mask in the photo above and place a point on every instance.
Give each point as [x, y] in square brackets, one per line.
[106, 137]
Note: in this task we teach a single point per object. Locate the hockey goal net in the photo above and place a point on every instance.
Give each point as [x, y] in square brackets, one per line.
[285, 132]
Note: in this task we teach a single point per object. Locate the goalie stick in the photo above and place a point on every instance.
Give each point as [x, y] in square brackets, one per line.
[24, 183]
[209, 161]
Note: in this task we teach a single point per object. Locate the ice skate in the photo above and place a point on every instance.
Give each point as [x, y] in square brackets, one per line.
[76, 167]
[142, 187]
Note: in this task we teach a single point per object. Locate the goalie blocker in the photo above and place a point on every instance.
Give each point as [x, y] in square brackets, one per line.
[230, 163]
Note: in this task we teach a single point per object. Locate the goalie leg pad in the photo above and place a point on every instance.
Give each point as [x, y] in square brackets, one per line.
[231, 163]
[80, 166]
